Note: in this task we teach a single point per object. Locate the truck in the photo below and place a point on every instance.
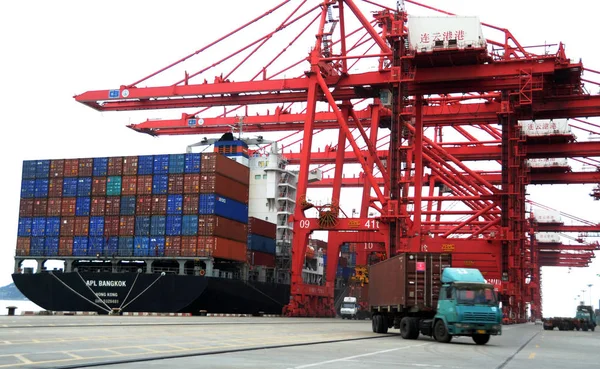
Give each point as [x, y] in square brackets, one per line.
[585, 320]
[420, 293]
[352, 309]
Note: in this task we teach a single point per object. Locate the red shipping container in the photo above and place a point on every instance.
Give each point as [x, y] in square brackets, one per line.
[221, 248]
[143, 205]
[26, 208]
[86, 167]
[57, 168]
[98, 206]
[189, 245]
[191, 183]
[67, 226]
[23, 246]
[65, 246]
[54, 207]
[111, 225]
[261, 258]
[144, 185]
[212, 225]
[40, 207]
[113, 205]
[82, 226]
[190, 204]
[127, 225]
[159, 205]
[217, 163]
[130, 165]
[68, 206]
[99, 186]
[128, 185]
[262, 227]
[115, 166]
[175, 183]
[71, 167]
[217, 183]
[172, 246]
[55, 187]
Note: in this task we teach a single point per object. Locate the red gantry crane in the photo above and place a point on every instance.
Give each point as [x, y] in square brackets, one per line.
[413, 110]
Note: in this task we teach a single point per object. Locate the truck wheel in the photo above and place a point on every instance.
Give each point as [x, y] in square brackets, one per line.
[440, 333]
[406, 327]
[375, 323]
[585, 328]
[481, 339]
[383, 324]
[593, 328]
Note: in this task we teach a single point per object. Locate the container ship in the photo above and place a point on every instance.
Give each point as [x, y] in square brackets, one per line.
[190, 233]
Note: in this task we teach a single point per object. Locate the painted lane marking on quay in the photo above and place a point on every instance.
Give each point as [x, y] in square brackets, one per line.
[23, 359]
[532, 356]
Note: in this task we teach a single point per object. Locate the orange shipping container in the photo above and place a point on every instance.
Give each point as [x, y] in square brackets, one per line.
[86, 167]
[111, 225]
[172, 245]
[127, 225]
[144, 185]
[128, 185]
[57, 168]
[159, 205]
[115, 166]
[71, 167]
[175, 183]
[54, 206]
[67, 226]
[26, 208]
[68, 206]
[113, 205]
[220, 184]
[143, 205]
[190, 204]
[98, 206]
[82, 226]
[55, 187]
[99, 186]
[221, 248]
[191, 183]
[189, 245]
[65, 246]
[40, 207]
[130, 165]
[23, 246]
[217, 163]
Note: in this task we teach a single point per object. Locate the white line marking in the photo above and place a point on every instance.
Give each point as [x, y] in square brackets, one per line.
[357, 356]
[23, 359]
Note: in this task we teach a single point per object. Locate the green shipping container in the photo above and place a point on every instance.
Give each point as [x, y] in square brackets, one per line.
[113, 186]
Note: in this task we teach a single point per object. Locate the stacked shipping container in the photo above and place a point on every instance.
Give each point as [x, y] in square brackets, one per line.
[177, 205]
[261, 242]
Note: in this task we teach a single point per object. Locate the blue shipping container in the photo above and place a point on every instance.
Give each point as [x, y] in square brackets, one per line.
[111, 247]
[97, 226]
[125, 246]
[189, 225]
[142, 226]
[42, 169]
[41, 188]
[51, 246]
[145, 164]
[84, 186]
[25, 225]
[174, 224]
[53, 226]
[100, 168]
[127, 205]
[29, 167]
[176, 163]
[161, 164]
[157, 246]
[174, 204]
[260, 243]
[141, 245]
[160, 184]
[38, 227]
[37, 246]
[95, 246]
[158, 224]
[28, 188]
[82, 206]
[192, 163]
[80, 245]
[222, 206]
[69, 187]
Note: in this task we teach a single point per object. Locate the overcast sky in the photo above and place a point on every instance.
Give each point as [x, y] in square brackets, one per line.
[52, 50]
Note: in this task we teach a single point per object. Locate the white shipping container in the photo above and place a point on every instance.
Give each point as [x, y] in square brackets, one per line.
[547, 237]
[428, 33]
[545, 127]
[549, 163]
[547, 216]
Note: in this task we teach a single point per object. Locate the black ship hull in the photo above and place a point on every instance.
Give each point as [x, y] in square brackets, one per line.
[137, 292]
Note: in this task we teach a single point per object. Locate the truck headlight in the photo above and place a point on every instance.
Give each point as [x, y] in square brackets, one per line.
[497, 327]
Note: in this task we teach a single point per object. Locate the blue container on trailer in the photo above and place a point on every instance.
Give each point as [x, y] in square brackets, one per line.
[176, 163]
[142, 225]
[100, 167]
[145, 164]
[174, 224]
[113, 186]
[157, 246]
[51, 246]
[127, 205]
[37, 246]
[29, 167]
[158, 225]
[211, 203]
[339, 271]
[97, 226]
[41, 188]
[161, 164]
[324, 261]
[84, 187]
[174, 204]
[192, 163]
[42, 169]
[260, 243]
[345, 247]
[38, 226]
[82, 206]
[125, 246]
[95, 246]
[52, 226]
[69, 187]
[160, 184]
[28, 188]
[80, 245]
[141, 244]
[189, 225]
[111, 247]
[25, 225]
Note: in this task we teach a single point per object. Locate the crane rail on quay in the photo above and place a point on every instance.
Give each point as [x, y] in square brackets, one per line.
[415, 103]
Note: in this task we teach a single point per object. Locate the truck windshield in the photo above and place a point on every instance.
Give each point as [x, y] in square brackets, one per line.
[485, 296]
[348, 305]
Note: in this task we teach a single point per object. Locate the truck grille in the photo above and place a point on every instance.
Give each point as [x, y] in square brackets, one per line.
[480, 317]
